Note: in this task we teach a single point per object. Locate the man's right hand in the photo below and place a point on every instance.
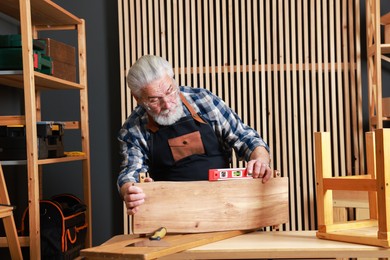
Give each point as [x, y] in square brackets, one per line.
[133, 197]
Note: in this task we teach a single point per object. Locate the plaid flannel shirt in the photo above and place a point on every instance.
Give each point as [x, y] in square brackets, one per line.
[232, 133]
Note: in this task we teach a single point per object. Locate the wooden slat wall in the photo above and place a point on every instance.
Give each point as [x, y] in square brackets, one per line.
[288, 68]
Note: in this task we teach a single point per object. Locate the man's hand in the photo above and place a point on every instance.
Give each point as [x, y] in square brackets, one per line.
[259, 164]
[133, 196]
[259, 170]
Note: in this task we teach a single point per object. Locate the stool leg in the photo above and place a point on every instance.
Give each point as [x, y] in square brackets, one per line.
[9, 222]
[323, 170]
[12, 237]
[382, 143]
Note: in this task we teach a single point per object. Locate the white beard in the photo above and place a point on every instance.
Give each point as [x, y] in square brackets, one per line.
[169, 117]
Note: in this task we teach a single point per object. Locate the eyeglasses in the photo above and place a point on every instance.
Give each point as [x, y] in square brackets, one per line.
[154, 102]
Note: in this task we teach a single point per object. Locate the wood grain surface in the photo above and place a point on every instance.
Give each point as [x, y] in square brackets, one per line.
[121, 247]
[203, 206]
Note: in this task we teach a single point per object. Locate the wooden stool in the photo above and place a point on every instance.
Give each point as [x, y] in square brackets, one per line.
[372, 231]
[6, 214]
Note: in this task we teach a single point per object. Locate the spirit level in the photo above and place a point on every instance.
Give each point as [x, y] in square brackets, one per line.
[228, 174]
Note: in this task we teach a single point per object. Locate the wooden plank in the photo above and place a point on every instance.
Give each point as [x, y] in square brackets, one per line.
[346, 90]
[319, 83]
[119, 247]
[163, 30]
[243, 91]
[169, 21]
[157, 29]
[54, 14]
[358, 108]
[84, 123]
[175, 37]
[231, 56]
[206, 45]
[131, 51]
[307, 18]
[337, 66]
[350, 199]
[219, 85]
[150, 18]
[385, 19]
[225, 20]
[349, 184]
[237, 91]
[371, 171]
[187, 40]
[200, 43]
[332, 90]
[211, 32]
[280, 245]
[12, 120]
[31, 130]
[326, 87]
[203, 206]
[386, 107]
[251, 87]
[303, 129]
[194, 49]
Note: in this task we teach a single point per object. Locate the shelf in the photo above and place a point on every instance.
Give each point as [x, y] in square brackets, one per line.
[13, 162]
[14, 78]
[24, 241]
[46, 16]
[45, 161]
[43, 12]
[20, 120]
[61, 159]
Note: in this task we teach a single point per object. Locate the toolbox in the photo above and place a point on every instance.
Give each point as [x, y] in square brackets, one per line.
[50, 141]
[11, 54]
[63, 57]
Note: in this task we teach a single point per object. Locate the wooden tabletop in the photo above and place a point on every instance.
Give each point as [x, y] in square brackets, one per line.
[280, 244]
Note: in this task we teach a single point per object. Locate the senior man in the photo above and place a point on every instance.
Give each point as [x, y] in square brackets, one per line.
[178, 133]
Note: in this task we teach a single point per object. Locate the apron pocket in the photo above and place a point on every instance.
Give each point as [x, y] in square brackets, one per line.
[186, 145]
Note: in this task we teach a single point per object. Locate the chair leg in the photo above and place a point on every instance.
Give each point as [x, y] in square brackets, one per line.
[9, 222]
[382, 137]
[12, 237]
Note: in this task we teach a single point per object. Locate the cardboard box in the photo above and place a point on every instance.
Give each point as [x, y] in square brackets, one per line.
[64, 59]
[386, 107]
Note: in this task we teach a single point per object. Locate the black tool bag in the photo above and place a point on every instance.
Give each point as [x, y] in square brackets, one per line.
[63, 227]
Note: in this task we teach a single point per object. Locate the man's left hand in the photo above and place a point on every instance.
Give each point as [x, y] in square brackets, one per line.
[259, 169]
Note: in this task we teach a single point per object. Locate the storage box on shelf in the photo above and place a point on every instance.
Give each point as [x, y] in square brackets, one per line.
[50, 141]
[36, 16]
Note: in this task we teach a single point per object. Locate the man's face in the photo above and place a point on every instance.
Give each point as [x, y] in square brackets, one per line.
[162, 101]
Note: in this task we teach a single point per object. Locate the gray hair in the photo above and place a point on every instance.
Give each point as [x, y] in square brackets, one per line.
[145, 70]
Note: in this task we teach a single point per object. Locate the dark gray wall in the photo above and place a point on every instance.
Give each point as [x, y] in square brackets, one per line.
[104, 116]
[104, 112]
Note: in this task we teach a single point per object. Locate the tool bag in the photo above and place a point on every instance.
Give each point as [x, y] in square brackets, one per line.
[63, 227]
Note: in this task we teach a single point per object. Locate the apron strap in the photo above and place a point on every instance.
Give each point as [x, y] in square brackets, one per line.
[152, 125]
[194, 115]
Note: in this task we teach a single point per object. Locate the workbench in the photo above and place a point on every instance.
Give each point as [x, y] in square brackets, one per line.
[274, 245]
